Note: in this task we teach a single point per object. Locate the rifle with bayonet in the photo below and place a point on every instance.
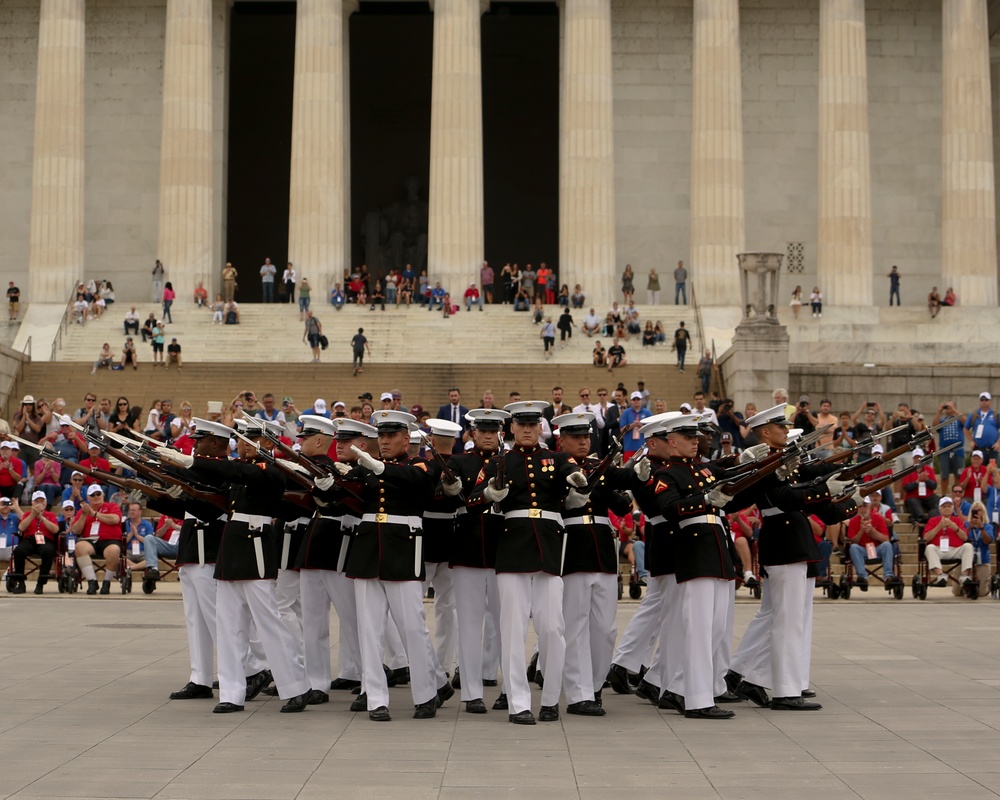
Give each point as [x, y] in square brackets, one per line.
[887, 480]
[446, 474]
[605, 463]
[771, 463]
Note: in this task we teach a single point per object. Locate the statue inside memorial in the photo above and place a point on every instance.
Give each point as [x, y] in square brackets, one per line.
[396, 235]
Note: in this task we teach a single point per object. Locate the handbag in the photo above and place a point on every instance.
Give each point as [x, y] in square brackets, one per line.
[324, 342]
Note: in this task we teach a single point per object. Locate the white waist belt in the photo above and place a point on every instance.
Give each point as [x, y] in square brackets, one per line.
[534, 513]
[587, 519]
[439, 515]
[189, 515]
[704, 519]
[656, 520]
[294, 523]
[393, 519]
[771, 512]
[255, 521]
[488, 510]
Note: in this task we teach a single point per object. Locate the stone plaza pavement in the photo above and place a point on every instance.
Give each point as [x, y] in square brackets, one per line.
[911, 695]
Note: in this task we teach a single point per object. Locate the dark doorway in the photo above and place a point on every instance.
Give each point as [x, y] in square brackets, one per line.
[261, 78]
[521, 133]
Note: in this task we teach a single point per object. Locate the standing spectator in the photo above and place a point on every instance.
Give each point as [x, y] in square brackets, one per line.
[472, 297]
[200, 295]
[816, 301]
[796, 303]
[565, 326]
[981, 427]
[392, 281]
[705, 369]
[30, 422]
[312, 332]
[359, 344]
[132, 321]
[868, 421]
[548, 335]
[229, 276]
[681, 340]
[826, 417]
[267, 273]
[305, 290]
[528, 275]
[337, 298]
[507, 285]
[934, 302]
[158, 340]
[653, 288]
[804, 418]
[680, 283]
[578, 297]
[630, 422]
[158, 281]
[550, 286]
[168, 301]
[268, 410]
[174, 354]
[486, 281]
[104, 359]
[289, 278]
[950, 463]
[541, 284]
[13, 301]
[894, 284]
[616, 356]
[628, 284]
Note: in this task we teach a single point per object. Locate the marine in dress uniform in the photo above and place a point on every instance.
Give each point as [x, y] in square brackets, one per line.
[387, 564]
[590, 573]
[530, 556]
[246, 570]
[474, 549]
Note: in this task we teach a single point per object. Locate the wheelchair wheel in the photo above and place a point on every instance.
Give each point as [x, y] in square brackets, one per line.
[72, 585]
[845, 588]
[634, 591]
[915, 585]
[145, 590]
[972, 590]
[61, 584]
[833, 591]
[126, 582]
[756, 592]
[9, 584]
[897, 591]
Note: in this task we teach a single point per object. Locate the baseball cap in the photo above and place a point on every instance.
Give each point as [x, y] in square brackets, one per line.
[287, 399]
[985, 396]
[68, 504]
[319, 405]
[977, 453]
[94, 489]
[944, 500]
[685, 406]
[918, 452]
[804, 398]
[635, 396]
[386, 396]
[39, 496]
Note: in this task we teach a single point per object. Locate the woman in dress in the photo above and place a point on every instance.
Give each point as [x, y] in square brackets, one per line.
[628, 280]
[796, 303]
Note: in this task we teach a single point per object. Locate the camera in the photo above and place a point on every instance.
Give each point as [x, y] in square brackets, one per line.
[870, 404]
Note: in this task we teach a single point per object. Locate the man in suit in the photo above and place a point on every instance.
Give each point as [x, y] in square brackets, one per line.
[587, 406]
[610, 410]
[555, 409]
[454, 411]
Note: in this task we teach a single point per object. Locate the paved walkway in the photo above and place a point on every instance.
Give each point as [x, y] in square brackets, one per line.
[911, 694]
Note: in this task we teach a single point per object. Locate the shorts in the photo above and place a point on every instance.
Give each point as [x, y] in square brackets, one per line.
[135, 559]
[314, 340]
[157, 347]
[951, 463]
[101, 545]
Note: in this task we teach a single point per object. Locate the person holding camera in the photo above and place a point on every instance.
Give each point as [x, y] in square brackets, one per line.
[804, 418]
[730, 422]
[953, 462]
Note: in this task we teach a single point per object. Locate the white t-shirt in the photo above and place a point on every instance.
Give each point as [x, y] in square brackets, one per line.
[591, 321]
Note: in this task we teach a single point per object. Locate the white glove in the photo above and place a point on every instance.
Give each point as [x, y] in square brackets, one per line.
[174, 492]
[366, 461]
[295, 467]
[453, 488]
[495, 495]
[323, 483]
[755, 453]
[342, 468]
[175, 457]
[643, 469]
[577, 479]
[838, 487]
[576, 499]
[718, 498]
[857, 496]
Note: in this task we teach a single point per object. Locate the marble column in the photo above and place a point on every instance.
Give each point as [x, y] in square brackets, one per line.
[586, 152]
[185, 219]
[968, 219]
[317, 194]
[56, 237]
[455, 195]
[717, 205]
[844, 259]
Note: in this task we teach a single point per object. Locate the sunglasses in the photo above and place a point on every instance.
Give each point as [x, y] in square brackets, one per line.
[123, 404]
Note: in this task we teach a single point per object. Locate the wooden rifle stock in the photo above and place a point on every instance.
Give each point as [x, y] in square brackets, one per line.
[109, 477]
[142, 468]
[604, 465]
[317, 470]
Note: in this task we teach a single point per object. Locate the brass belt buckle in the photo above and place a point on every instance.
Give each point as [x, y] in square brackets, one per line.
[588, 519]
[712, 519]
[382, 518]
[534, 513]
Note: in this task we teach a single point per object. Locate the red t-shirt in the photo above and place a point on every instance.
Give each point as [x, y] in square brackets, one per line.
[734, 524]
[817, 522]
[974, 476]
[6, 481]
[104, 530]
[954, 540]
[36, 527]
[98, 463]
[925, 474]
[857, 536]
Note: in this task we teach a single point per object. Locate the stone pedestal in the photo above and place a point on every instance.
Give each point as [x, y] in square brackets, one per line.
[756, 363]
[186, 186]
[844, 257]
[455, 194]
[56, 248]
[717, 205]
[968, 219]
[586, 152]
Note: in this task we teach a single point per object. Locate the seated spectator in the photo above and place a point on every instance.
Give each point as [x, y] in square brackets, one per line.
[742, 527]
[447, 307]
[934, 302]
[436, 297]
[97, 306]
[98, 526]
[355, 289]
[38, 528]
[147, 327]
[231, 313]
[648, 335]
[47, 475]
[975, 478]
[200, 295]
[661, 334]
[962, 506]
[180, 424]
[217, 308]
[104, 359]
[174, 354]
[122, 420]
[107, 293]
[616, 313]
[9, 520]
[946, 537]
[563, 298]
[981, 534]
[919, 498]
[472, 298]
[591, 323]
[600, 355]
[631, 543]
[378, 296]
[578, 297]
[538, 312]
[423, 288]
[608, 329]
[616, 356]
[13, 471]
[94, 460]
[81, 310]
[521, 300]
[820, 533]
[950, 298]
[405, 292]
[161, 544]
[75, 491]
[132, 321]
[129, 354]
[136, 530]
[632, 325]
[869, 538]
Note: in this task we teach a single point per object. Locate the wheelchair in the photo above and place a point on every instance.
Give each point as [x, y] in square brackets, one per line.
[754, 586]
[922, 578]
[60, 574]
[873, 571]
[627, 569]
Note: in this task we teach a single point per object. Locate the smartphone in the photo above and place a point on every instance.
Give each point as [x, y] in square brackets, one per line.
[214, 406]
[993, 463]
[870, 405]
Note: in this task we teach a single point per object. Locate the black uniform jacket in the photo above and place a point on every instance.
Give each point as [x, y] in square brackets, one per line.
[198, 516]
[439, 520]
[254, 488]
[592, 545]
[327, 540]
[478, 525]
[384, 548]
[537, 481]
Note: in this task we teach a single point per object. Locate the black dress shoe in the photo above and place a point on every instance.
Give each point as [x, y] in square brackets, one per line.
[105, 587]
[91, 587]
[314, 697]
[257, 682]
[532, 668]
[618, 678]
[226, 708]
[19, 587]
[192, 691]
[794, 704]
[356, 690]
[713, 712]
[343, 684]
[754, 693]
[728, 697]
[635, 677]
[151, 574]
[490, 682]
[360, 703]
[671, 700]
[475, 706]
[296, 704]
[444, 694]
[548, 714]
[426, 710]
[808, 693]
[456, 681]
[38, 587]
[500, 704]
[862, 584]
[270, 691]
[585, 708]
[397, 677]
[648, 691]
[521, 718]
[733, 680]
[380, 714]
[539, 679]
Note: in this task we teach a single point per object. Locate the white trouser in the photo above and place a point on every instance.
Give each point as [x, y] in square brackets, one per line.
[540, 597]
[807, 632]
[752, 659]
[238, 605]
[590, 601]
[395, 652]
[637, 642]
[473, 591]
[788, 587]
[439, 576]
[198, 591]
[933, 555]
[670, 674]
[286, 592]
[703, 611]
[320, 588]
[404, 602]
[491, 631]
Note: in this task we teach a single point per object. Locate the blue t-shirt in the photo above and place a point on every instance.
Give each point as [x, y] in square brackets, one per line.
[145, 529]
[633, 440]
[8, 529]
[978, 545]
[988, 421]
[951, 433]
